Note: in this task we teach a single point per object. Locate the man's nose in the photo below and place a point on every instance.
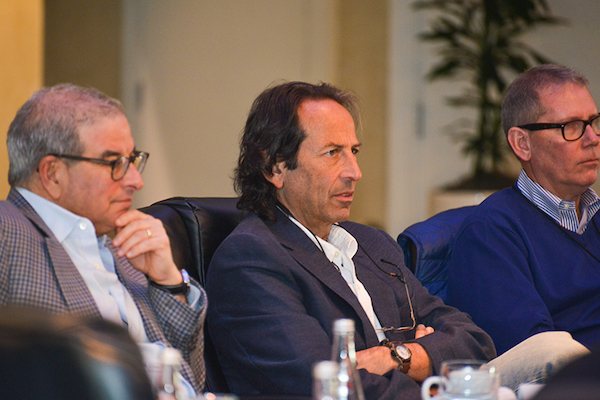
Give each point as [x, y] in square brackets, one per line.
[133, 178]
[352, 170]
[590, 137]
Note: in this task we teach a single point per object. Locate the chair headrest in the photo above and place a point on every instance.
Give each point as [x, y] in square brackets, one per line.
[196, 226]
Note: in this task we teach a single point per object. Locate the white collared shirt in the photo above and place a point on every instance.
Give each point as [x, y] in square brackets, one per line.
[339, 248]
[562, 211]
[96, 265]
[94, 262]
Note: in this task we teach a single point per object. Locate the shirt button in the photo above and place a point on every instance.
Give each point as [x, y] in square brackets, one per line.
[337, 254]
[97, 266]
[82, 226]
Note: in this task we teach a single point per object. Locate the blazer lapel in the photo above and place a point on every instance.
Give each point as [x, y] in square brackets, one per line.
[382, 295]
[137, 286]
[310, 257]
[74, 290]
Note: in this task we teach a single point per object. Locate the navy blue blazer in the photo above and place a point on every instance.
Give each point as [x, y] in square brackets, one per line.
[274, 296]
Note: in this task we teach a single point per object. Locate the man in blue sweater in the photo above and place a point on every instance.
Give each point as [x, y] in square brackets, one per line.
[527, 259]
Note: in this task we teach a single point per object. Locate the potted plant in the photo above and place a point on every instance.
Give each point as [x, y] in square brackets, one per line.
[479, 42]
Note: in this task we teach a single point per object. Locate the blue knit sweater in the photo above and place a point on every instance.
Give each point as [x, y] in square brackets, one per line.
[517, 272]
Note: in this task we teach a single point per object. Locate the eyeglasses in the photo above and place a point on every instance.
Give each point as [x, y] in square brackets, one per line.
[401, 278]
[119, 166]
[571, 130]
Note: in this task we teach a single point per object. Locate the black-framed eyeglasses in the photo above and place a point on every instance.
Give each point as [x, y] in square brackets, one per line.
[571, 130]
[119, 166]
[400, 277]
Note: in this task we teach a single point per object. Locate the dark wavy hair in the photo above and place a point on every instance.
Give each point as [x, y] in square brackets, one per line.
[273, 134]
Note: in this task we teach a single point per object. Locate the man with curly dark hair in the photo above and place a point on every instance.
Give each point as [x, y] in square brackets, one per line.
[293, 266]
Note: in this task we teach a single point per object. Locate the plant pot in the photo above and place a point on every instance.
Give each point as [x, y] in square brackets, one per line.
[444, 199]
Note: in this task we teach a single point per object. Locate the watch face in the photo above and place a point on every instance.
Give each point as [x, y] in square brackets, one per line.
[185, 276]
[403, 352]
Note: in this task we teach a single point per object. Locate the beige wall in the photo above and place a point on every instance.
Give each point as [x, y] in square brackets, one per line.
[83, 44]
[362, 68]
[192, 69]
[80, 39]
[21, 69]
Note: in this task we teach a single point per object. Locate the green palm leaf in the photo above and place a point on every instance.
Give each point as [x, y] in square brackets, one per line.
[478, 41]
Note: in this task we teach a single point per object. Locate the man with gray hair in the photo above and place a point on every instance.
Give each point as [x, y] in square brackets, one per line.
[526, 260]
[73, 172]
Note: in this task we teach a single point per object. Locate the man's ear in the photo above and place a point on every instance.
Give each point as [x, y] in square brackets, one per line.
[277, 175]
[52, 176]
[520, 142]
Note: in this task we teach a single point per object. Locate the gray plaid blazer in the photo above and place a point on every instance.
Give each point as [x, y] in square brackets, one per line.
[36, 271]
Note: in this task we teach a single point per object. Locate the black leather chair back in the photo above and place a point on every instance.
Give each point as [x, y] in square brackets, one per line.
[196, 226]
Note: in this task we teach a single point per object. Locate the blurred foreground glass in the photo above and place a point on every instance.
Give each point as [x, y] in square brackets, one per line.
[344, 354]
[325, 380]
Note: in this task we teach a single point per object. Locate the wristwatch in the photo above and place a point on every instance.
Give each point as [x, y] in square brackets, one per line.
[183, 288]
[400, 353]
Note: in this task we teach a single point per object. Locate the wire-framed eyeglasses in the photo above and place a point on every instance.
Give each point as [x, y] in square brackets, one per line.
[119, 166]
[571, 130]
[400, 277]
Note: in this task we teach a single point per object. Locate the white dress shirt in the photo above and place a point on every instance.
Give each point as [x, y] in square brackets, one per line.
[96, 265]
[94, 262]
[339, 249]
[562, 211]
